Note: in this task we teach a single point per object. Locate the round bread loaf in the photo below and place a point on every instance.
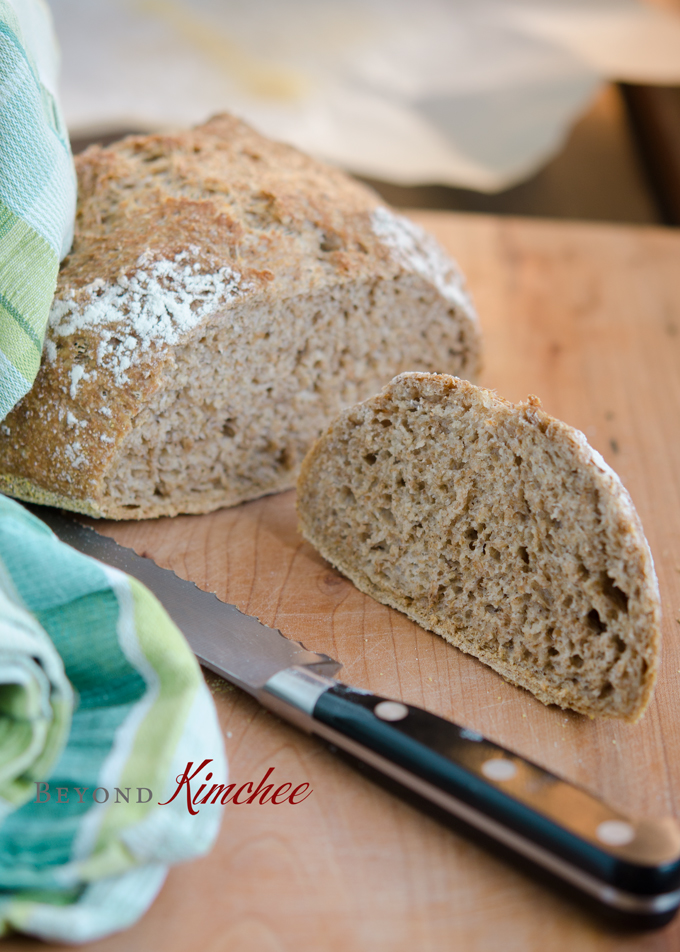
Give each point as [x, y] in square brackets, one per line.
[499, 528]
[225, 297]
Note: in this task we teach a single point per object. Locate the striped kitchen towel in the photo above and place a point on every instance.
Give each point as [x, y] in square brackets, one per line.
[102, 706]
[37, 191]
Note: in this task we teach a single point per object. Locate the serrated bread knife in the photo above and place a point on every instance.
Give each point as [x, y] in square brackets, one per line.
[631, 867]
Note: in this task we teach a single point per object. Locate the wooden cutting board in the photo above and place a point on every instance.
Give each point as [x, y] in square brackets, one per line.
[588, 318]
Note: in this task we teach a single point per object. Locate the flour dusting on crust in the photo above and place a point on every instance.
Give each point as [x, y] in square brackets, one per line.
[158, 304]
[417, 251]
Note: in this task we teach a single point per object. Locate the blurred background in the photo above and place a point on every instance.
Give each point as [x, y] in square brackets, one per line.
[557, 108]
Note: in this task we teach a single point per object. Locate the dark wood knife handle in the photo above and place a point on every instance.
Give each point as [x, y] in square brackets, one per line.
[631, 865]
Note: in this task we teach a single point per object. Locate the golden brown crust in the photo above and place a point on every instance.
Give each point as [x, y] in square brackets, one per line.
[617, 667]
[222, 187]
[27, 491]
[219, 202]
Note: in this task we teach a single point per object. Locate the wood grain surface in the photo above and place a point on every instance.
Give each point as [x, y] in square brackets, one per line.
[588, 318]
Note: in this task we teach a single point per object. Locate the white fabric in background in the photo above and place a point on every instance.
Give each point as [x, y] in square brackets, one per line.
[475, 93]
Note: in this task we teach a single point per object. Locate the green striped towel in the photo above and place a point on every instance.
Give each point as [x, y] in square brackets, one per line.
[98, 690]
[37, 191]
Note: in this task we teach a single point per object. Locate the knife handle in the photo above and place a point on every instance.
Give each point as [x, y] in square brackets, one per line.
[632, 866]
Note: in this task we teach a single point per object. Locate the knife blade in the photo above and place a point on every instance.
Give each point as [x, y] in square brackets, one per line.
[624, 865]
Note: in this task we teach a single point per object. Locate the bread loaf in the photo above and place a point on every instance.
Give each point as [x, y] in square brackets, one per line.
[225, 297]
[499, 528]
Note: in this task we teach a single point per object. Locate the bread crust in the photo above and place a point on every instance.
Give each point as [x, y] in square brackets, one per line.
[206, 224]
[623, 543]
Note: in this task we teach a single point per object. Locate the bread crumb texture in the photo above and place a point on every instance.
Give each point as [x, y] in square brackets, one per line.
[226, 296]
[499, 528]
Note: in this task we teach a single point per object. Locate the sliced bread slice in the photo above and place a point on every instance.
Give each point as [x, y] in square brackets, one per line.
[499, 528]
